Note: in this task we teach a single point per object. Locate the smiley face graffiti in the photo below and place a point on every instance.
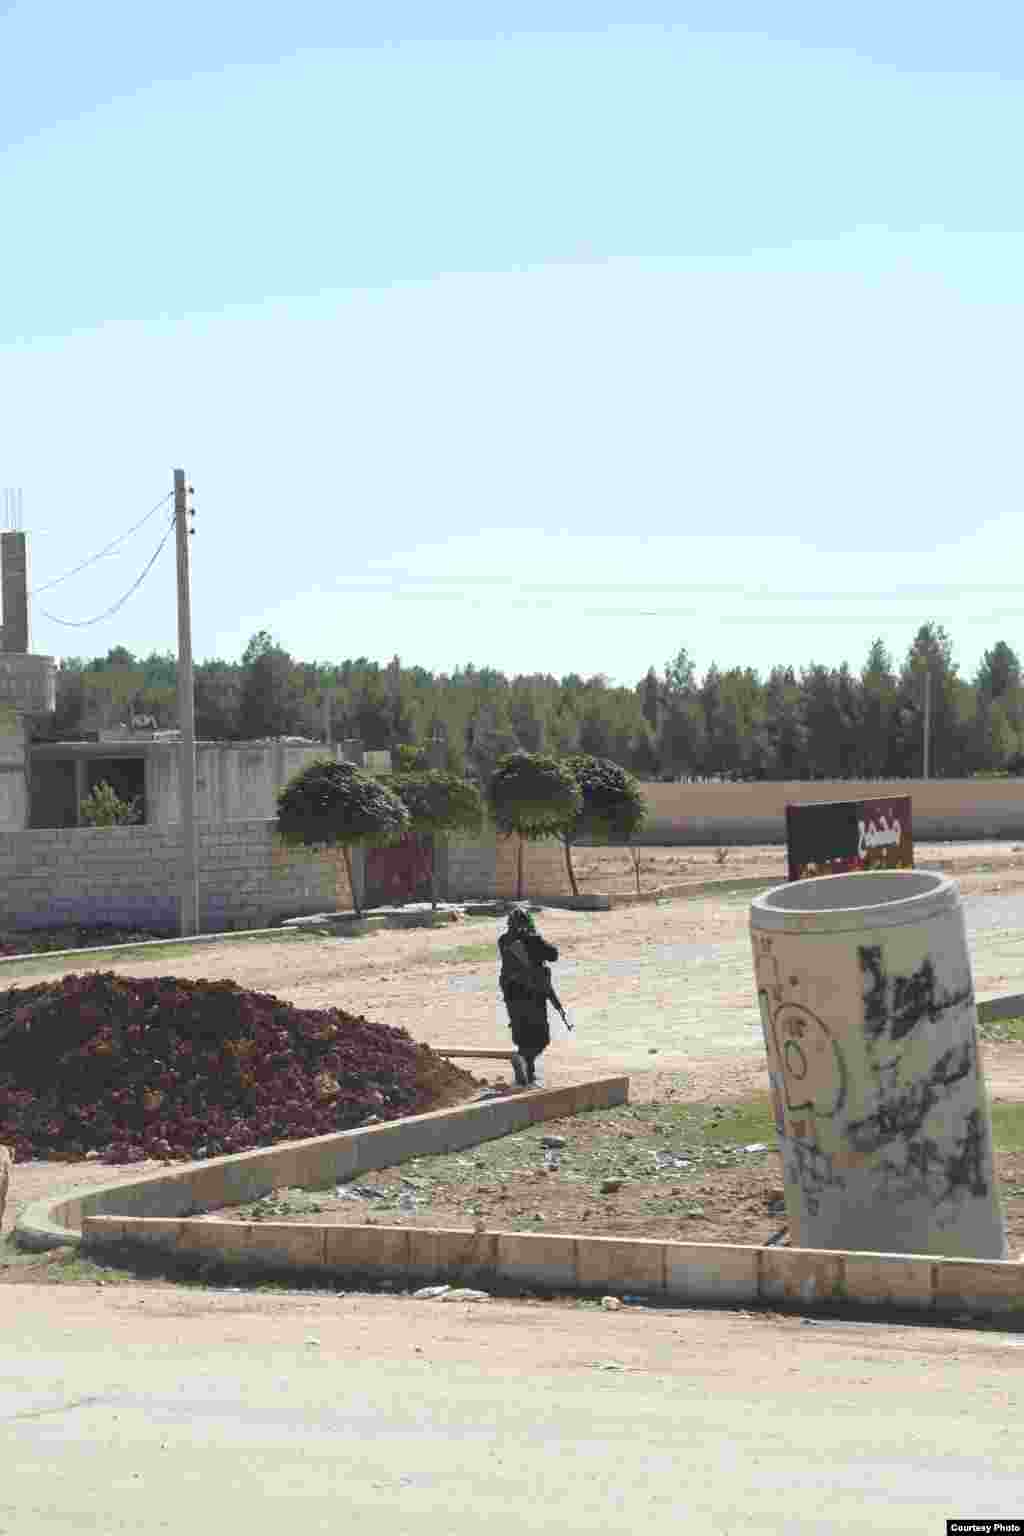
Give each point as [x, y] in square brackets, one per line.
[813, 1070]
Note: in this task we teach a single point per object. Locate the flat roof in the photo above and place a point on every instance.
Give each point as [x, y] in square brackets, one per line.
[143, 745]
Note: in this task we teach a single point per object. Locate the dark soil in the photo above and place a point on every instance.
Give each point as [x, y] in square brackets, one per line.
[727, 1193]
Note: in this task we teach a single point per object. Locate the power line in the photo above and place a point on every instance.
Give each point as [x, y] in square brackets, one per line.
[105, 551]
[109, 612]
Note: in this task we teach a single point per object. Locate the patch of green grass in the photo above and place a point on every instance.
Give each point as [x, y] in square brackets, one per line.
[88, 960]
[732, 1125]
[468, 954]
[605, 1143]
[1002, 1031]
[86, 1271]
[1008, 1127]
[624, 1142]
[68, 1266]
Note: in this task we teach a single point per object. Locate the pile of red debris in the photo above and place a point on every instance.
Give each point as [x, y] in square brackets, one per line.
[166, 1068]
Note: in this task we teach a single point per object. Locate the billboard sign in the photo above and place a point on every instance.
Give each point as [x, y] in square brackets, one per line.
[833, 837]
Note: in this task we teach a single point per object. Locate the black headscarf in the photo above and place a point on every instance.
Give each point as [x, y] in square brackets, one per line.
[520, 921]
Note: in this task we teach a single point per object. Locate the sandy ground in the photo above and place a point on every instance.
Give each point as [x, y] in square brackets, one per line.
[659, 992]
[143, 1407]
[154, 1409]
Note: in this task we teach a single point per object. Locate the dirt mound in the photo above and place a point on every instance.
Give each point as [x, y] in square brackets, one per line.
[170, 1068]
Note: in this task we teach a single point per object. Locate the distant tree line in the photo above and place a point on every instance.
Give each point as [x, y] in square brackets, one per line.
[816, 723]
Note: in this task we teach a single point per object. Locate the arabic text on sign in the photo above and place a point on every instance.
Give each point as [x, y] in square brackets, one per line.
[882, 836]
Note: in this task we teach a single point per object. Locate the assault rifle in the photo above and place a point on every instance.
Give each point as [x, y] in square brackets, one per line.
[553, 998]
[528, 974]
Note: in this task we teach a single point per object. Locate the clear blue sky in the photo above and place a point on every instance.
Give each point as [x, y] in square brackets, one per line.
[551, 337]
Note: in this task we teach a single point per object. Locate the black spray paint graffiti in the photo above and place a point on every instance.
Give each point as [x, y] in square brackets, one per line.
[896, 1005]
[812, 1170]
[944, 1179]
[900, 1116]
[917, 1167]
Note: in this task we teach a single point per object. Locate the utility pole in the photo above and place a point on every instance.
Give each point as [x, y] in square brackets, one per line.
[188, 883]
[927, 718]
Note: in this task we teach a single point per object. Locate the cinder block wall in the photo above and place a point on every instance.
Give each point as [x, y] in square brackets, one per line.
[128, 875]
[484, 868]
[467, 867]
[544, 871]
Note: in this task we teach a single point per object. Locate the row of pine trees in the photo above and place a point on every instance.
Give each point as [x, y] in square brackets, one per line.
[815, 722]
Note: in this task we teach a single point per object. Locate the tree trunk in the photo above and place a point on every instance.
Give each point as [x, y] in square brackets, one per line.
[568, 866]
[519, 869]
[347, 856]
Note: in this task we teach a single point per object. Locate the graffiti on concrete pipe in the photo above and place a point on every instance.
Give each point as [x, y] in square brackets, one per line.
[916, 1166]
[813, 1066]
[813, 1171]
[895, 1005]
[901, 1115]
[943, 1179]
[808, 1078]
[881, 1107]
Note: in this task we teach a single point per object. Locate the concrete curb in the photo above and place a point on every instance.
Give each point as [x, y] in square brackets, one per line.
[994, 1008]
[347, 922]
[190, 1188]
[700, 888]
[600, 902]
[701, 1274]
[342, 927]
[143, 944]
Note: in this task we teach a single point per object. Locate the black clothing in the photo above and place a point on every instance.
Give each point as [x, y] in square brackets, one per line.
[524, 961]
[524, 981]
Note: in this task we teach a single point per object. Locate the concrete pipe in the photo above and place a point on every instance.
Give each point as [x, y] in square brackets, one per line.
[864, 983]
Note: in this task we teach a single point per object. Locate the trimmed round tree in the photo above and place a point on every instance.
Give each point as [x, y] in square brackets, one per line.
[336, 805]
[439, 803]
[532, 796]
[613, 808]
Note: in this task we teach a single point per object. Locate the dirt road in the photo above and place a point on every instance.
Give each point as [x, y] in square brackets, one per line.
[149, 1408]
[663, 992]
[153, 1410]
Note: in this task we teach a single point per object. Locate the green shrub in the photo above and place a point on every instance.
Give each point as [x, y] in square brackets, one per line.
[105, 808]
[336, 805]
[532, 796]
[613, 808]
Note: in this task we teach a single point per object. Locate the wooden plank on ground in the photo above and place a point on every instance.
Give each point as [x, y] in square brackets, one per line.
[485, 1055]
